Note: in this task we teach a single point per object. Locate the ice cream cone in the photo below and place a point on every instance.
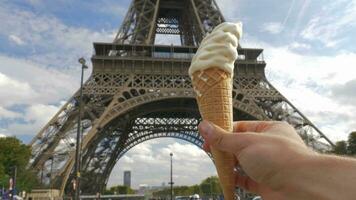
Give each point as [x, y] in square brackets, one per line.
[214, 97]
[211, 72]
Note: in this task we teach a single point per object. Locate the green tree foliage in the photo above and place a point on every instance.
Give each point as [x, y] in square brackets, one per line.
[2, 174]
[120, 189]
[178, 191]
[208, 187]
[14, 153]
[182, 190]
[194, 189]
[346, 147]
[351, 147]
[340, 148]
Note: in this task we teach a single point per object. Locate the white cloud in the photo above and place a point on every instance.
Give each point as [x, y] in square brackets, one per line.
[126, 159]
[25, 82]
[307, 81]
[114, 8]
[272, 27]
[2, 135]
[14, 91]
[333, 20]
[34, 2]
[35, 117]
[36, 89]
[8, 114]
[184, 152]
[322, 70]
[17, 40]
[149, 163]
[40, 113]
[49, 73]
[345, 93]
[229, 8]
[299, 46]
[290, 9]
[53, 43]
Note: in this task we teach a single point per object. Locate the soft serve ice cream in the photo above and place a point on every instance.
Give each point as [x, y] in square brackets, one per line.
[218, 49]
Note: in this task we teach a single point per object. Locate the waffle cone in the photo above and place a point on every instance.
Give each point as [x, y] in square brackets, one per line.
[214, 96]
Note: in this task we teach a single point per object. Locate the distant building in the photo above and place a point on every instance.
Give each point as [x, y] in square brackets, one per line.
[127, 178]
[142, 188]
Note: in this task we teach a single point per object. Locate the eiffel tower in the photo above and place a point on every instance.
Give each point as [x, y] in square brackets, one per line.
[140, 90]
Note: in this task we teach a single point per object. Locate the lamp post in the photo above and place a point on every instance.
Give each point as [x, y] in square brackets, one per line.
[50, 176]
[171, 183]
[79, 133]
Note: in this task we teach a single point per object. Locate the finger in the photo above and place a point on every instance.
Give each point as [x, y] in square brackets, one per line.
[206, 147]
[251, 126]
[285, 130]
[246, 183]
[237, 162]
[220, 139]
[277, 128]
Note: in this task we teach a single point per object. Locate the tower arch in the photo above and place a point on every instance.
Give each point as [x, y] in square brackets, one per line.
[165, 117]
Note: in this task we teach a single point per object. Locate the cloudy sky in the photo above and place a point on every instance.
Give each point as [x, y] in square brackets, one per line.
[309, 47]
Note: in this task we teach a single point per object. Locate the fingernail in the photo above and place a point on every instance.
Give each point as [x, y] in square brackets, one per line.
[206, 129]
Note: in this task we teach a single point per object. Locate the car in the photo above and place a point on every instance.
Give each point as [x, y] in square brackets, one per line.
[194, 197]
[257, 198]
[18, 197]
[181, 198]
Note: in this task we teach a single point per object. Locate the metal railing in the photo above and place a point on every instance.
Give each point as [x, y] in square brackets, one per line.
[164, 52]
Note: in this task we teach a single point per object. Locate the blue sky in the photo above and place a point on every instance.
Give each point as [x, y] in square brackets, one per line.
[309, 47]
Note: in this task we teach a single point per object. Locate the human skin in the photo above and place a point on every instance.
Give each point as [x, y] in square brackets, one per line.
[278, 165]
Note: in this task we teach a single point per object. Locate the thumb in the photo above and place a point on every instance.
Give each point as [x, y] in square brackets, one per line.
[222, 140]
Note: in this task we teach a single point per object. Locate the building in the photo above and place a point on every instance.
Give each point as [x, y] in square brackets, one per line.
[142, 188]
[127, 178]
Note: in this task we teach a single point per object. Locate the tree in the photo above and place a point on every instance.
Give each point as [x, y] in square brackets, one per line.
[195, 189]
[120, 189]
[3, 175]
[352, 143]
[340, 148]
[178, 191]
[14, 153]
[210, 186]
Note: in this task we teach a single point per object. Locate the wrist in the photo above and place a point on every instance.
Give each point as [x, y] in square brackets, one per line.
[297, 179]
[318, 176]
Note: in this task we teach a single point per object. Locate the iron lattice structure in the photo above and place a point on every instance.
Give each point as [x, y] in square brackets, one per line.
[140, 91]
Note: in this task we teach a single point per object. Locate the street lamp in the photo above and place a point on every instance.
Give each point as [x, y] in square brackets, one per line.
[79, 133]
[50, 178]
[171, 183]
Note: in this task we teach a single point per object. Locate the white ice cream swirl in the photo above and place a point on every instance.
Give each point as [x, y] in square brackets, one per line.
[218, 49]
